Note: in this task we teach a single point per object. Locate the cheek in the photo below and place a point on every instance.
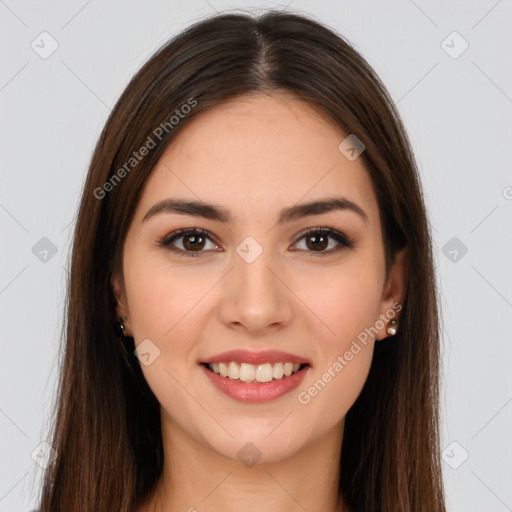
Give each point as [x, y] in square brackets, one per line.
[160, 296]
[167, 306]
[343, 353]
[331, 391]
[348, 301]
[345, 298]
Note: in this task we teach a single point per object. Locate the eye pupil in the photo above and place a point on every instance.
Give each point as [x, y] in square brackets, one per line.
[322, 244]
[197, 243]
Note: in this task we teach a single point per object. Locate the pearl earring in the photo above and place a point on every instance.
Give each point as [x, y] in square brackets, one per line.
[121, 324]
[391, 330]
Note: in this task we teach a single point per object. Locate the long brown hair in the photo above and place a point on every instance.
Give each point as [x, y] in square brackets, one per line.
[106, 428]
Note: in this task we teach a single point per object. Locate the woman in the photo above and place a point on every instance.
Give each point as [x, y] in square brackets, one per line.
[253, 224]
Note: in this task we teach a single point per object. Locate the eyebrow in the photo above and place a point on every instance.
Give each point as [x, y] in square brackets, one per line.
[216, 213]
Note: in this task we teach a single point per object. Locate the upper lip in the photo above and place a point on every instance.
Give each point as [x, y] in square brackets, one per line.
[248, 356]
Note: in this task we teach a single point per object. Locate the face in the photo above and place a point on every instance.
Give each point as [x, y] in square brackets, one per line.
[260, 275]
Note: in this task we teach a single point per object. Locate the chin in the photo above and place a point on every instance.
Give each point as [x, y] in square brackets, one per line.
[261, 445]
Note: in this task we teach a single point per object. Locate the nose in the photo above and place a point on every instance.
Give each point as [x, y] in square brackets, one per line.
[256, 298]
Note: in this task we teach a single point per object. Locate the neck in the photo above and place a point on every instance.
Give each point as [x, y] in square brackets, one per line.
[197, 478]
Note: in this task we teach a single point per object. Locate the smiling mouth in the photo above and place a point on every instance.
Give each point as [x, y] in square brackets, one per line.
[251, 374]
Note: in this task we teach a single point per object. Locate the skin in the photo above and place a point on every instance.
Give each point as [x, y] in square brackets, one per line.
[253, 156]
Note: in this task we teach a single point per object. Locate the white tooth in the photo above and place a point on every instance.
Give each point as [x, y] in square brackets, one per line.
[264, 373]
[278, 371]
[247, 372]
[223, 369]
[233, 370]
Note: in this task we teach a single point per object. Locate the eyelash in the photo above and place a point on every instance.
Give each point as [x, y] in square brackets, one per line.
[342, 239]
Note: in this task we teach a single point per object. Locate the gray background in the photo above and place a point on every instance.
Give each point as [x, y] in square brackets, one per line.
[457, 110]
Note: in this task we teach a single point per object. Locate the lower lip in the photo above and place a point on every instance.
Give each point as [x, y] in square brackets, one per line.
[255, 392]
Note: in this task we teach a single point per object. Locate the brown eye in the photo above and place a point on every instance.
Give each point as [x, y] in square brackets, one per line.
[193, 242]
[317, 240]
[189, 242]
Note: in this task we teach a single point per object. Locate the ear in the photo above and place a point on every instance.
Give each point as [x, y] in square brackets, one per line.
[116, 282]
[394, 291]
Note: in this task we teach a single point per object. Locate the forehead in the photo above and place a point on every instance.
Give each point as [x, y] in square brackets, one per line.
[258, 152]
